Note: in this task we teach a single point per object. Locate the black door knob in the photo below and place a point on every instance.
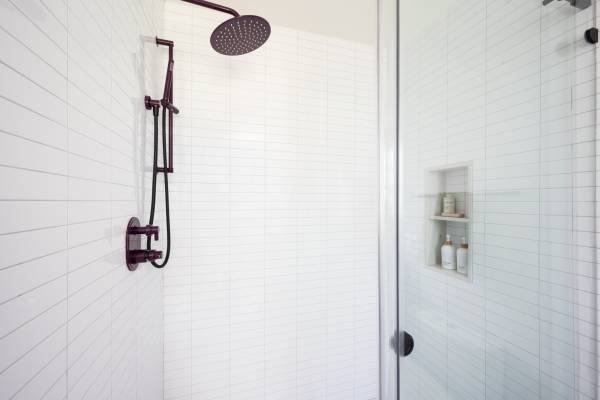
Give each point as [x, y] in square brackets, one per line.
[591, 35]
[408, 344]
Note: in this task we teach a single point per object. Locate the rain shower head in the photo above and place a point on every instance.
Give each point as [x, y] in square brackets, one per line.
[238, 35]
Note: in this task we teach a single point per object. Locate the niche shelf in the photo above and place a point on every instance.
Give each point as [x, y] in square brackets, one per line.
[463, 220]
[457, 180]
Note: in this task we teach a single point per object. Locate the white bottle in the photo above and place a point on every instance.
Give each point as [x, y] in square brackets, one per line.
[448, 254]
[462, 257]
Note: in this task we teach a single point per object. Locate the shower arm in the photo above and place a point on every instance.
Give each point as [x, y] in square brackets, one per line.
[213, 6]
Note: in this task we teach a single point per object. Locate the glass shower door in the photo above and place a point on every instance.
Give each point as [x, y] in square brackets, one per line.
[497, 150]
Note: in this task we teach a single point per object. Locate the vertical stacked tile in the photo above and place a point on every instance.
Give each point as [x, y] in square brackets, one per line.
[178, 276]
[312, 214]
[432, 142]
[281, 215]
[466, 137]
[247, 238]
[512, 190]
[365, 180]
[340, 138]
[283, 296]
[211, 196]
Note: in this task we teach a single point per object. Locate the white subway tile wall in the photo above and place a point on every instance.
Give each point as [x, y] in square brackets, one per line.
[510, 86]
[74, 322]
[273, 291]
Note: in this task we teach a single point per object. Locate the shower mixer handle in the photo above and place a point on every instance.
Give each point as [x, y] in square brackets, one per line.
[153, 255]
[142, 256]
[148, 230]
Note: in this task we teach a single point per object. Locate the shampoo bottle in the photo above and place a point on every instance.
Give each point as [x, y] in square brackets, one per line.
[448, 254]
[462, 257]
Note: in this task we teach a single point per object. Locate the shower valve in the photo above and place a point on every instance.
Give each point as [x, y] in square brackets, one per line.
[134, 252]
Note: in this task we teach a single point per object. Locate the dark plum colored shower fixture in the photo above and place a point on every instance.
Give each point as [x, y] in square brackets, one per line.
[214, 6]
[167, 99]
[134, 254]
[238, 35]
[133, 244]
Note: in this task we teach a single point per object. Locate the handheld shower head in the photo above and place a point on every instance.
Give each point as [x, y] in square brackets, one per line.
[238, 35]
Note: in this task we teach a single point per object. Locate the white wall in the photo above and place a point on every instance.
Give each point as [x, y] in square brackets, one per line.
[354, 20]
[510, 86]
[417, 17]
[74, 322]
[272, 290]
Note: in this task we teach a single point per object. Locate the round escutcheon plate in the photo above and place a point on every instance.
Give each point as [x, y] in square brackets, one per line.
[132, 242]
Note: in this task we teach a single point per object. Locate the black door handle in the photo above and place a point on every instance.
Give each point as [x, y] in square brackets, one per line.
[408, 344]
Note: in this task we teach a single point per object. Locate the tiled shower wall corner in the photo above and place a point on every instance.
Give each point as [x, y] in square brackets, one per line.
[510, 86]
[76, 323]
[272, 290]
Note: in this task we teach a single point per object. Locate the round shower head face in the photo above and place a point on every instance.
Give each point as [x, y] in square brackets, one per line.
[240, 35]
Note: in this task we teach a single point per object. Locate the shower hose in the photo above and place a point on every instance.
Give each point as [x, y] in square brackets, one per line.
[166, 179]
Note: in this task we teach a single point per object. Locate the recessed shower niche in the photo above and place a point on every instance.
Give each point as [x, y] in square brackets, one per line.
[448, 207]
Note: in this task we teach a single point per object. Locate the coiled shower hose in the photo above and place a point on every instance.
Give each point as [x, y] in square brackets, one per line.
[156, 112]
